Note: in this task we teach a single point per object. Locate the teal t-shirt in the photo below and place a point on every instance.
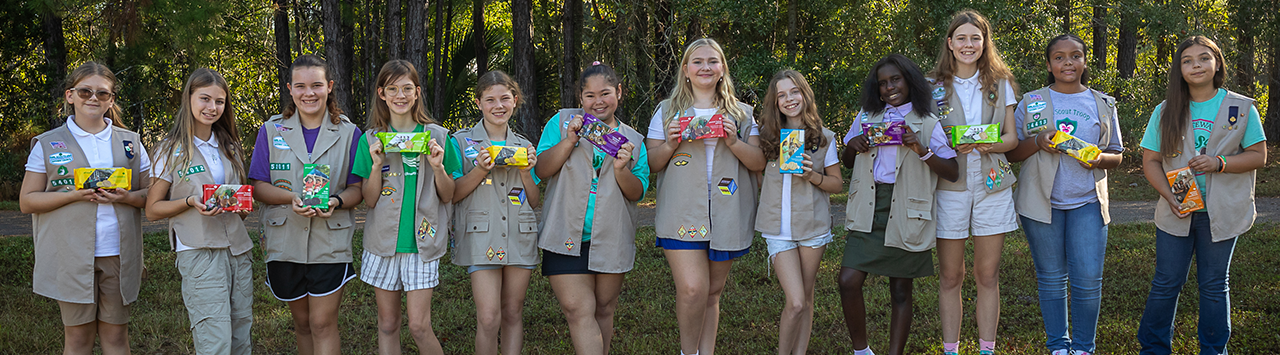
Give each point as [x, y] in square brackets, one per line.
[362, 166]
[1203, 115]
[551, 137]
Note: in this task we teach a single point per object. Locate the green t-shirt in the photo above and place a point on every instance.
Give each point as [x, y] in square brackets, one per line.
[551, 137]
[1203, 115]
[363, 165]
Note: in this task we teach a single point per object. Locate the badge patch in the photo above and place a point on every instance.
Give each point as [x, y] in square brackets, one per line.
[470, 152]
[568, 244]
[1034, 97]
[516, 196]
[284, 184]
[128, 149]
[1233, 114]
[1036, 106]
[681, 162]
[62, 170]
[703, 230]
[57, 145]
[63, 182]
[425, 229]
[489, 253]
[728, 186]
[60, 158]
[501, 253]
[388, 190]
[685, 155]
[386, 168]
[693, 232]
[939, 93]
[280, 166]
[282, 128]
[680, 231]
[279, 143]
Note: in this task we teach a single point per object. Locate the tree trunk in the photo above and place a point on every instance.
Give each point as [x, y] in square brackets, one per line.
[791, 31]
[571, 28]
[442, 58]
[641, 55]
[1064, 15]
[393, 30]
[1272, 121]
[331, 11]
[415, 37]
[666, 48]
[437, 82]
[477, 33]
[1127, 45]
[297, 27]
[1100, 35]
[1163, 51]
[1243, 19]
[693, 31]
[55, 57]
[522, 68]
[284, 57]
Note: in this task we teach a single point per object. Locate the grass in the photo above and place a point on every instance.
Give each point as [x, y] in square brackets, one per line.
[646, 323]
[9, 205]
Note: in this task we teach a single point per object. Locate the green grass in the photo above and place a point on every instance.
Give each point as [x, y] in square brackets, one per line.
[9, 205]
[646, 323]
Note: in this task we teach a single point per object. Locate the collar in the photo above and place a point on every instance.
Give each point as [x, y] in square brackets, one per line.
[75, 129]
[970, 80]
[898, 112]
[212, 142]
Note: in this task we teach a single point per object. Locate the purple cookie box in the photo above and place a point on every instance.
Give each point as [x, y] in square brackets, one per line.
[884, 133]
[601, 135]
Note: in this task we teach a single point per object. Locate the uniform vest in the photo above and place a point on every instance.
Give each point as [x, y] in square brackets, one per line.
[492, 230]
[288, 236]
[911, 225]
[810, 206]
[613, 233]
[1229, 196]
[1040, 169]
[64, 238]
[727, 218]
[196, 230]
[996, 169]
[430, 216]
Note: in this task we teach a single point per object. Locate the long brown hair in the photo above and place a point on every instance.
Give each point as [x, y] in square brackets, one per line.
[331, 101]
[84, 71]
[991, 65]
[1176, 112]
[682, 94]
[181, 136]
[380, 119]
[771, 119]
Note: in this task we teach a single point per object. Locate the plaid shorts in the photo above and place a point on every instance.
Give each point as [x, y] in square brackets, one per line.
[403, 271]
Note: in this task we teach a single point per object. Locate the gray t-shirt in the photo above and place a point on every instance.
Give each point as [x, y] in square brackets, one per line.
[1076, 114]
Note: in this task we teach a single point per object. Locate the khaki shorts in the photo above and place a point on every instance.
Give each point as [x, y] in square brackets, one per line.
[108, 304]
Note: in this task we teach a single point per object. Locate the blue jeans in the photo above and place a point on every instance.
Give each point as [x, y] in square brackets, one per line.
[1069, 251]
[1173, 262]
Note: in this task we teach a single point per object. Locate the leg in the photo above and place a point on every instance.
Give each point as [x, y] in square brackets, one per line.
[608, 287]
[787, 266]
[418, 303]
[301, 311]
[515, 283]
[855, 308]
[691, 273]
[951, 270]
[1048, 252]
[206, 293]
[486, 290]
[986, 274]
[112, 313]
[576, 293]
[810, 261]
[1086, 247]
[241, 303]
[718, 272]
[388, 321]
[114, 338]
[900, 322]
[1213, 266]
[1173, 262]
[78, 339]
[324, 323]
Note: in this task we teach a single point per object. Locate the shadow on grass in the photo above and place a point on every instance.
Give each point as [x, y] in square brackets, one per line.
[646, 322]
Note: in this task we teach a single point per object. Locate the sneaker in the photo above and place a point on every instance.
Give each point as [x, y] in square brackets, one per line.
[986, 352]
[1062, 352]
[1082, 353]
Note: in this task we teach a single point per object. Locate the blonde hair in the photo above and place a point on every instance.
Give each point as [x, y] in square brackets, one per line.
[682, 94]
[181, 136]
[85, 71]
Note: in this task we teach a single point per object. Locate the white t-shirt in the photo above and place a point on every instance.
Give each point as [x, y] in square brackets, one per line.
[969, 91]
[97, 149]
[832, 159]
[658, 131]
[212, 157]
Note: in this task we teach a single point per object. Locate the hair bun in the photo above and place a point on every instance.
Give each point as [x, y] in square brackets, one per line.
[595, 63]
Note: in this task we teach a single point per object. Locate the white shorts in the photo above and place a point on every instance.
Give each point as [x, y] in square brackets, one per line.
[776, 246]
[974, 212]
[403, 271]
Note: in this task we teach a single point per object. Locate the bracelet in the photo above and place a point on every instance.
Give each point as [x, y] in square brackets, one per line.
[188, 202]
[927, 156]
[1223, 165]
[821, 178]
[340, 202]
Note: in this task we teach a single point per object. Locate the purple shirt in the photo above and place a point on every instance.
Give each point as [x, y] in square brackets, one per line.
[260, 164]
[884, 168]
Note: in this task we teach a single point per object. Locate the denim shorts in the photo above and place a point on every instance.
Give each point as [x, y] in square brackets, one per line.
[777, 246]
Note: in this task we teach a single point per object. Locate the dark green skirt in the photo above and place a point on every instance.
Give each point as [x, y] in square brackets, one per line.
[866, 251]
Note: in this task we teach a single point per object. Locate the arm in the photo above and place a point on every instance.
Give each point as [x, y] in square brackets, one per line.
[1008, 137]
[1031, 145]
[660, 151]
[463, 186]
[159, 207]
[829, 180]
[526, 179]
[552, 159]
[632, 188]
[444, 182]
[748, 154]
[947, 169]
[32, 198]
[1252, 158]
[266, 193]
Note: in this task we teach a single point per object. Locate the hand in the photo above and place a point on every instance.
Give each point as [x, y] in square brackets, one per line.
[326, 213]
[983, 148]
[301, 210]
[1174, 206]
[90, 195]
[806, 166]
[575, 124]
[673, 133]
[243, 214]
[375, 151]
[1044, 140]
[435, 156]
[911, 141]
[109, 196]
[533, 158]
[860, 144]
[1090, 164]
[484, 161]
[202, 208]
[1205, 163]
[964, 149]
[730, 132]
[624, 156]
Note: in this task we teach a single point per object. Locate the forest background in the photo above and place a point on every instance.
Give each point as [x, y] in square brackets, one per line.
[153, 45]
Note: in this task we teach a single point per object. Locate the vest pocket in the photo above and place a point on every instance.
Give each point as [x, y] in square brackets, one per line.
[528, 222]
[477, 221]
[919, 208]
[341, 219]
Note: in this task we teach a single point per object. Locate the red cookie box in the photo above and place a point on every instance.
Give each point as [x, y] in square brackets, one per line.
[231, 198]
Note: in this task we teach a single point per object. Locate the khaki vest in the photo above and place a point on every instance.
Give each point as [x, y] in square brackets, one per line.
[810, 206]
[995, 167]
[199, 231]
[1229, 196]
[431, 217]
[64, 238]
[613, 233]
[288, 236]
[727, 221]
[911, 225]
[513, 238]
[1038, 172]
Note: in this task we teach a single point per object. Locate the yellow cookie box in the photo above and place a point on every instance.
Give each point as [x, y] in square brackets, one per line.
[103, 178]
[509, 156]
[1075, 147]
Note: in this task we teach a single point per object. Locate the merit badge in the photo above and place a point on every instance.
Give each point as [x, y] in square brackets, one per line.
[62, 170]
[388, 190]
[283, 184]
[1233, 114]
[1036, 106]
[703, 230]
[681, 162]
[60, 158]
[568, 244]
[728, 186]
[991, 96]
[57, 145]
[680, 231]
[501, 253]
[425, 229]
[939, 93]
[490, 253]
[516, 196]
[282, 128]
[128, 149]
[279, 143]
[692, 232]
[386, 168]
[1034, 97]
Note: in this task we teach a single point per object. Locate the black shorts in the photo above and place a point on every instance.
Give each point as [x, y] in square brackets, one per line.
[293, 281]
[560, 264]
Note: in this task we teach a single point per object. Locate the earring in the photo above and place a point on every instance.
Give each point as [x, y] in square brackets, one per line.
[721, 80]
[686, 80]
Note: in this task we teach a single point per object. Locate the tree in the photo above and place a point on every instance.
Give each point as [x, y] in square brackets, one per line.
[284, 57]
[437, 64]
[1127, 45]
[393, 30]
[522, 67]
[334, 49]
[1244, 12]
[791, 31]
[571, 32]
[477, 33]
[1100, 35]
[55, 54]
[1064, 15]
[415, 39]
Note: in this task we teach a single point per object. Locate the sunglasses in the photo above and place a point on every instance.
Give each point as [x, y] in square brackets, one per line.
[85, 93]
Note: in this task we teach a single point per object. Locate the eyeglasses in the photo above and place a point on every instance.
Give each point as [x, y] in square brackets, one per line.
[85, 93]
[393, 91]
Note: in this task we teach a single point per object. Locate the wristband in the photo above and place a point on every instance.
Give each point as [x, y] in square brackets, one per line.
[188, 202]
[339, 201]
[927, 156]
[1223, 166]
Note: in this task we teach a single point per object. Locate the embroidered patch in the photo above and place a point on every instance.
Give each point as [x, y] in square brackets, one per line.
[703, 230]
[282, 128]
[1036, 123]
[63, 182]
[568, 243]
[281, 166]
[195, 169]
[1036, 106]
[993, 179]
[501, 253]
[425, 229]
[939, 93]
[1034, 97]
[388, 190]
[128, 149]
[516, 196]
[680, 231]
[60, 158]
[386, 168]
[1233, 114]
[728, 186]
[279, 143]
[57, 145]
[682, 154]
[284, 184]
[681, 162]
[490, 253]
[62, 170]
[693, 232]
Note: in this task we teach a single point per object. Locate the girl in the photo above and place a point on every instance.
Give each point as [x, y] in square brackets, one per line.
[212, 246]
[500, 258]
[308, 249]
[586, 261]
[1062, 202]
[788, 226]
[892, 181]
[92, 267]
[1202, 126]
[972, 86]
[401, 249]
[701, 237]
